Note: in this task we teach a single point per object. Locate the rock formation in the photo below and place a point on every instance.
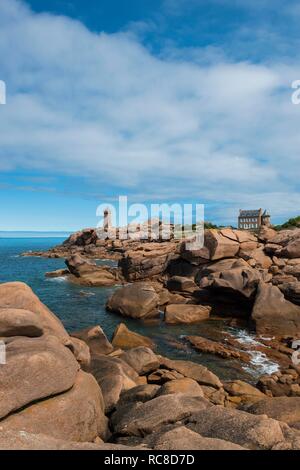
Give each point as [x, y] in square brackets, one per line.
[151, 401]
[127, 397]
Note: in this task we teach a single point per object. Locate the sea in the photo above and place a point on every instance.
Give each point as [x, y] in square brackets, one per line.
[82, 307]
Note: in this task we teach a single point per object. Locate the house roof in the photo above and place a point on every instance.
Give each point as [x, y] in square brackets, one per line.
[251, 213]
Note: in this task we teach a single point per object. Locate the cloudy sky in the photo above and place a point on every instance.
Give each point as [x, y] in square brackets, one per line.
[160, 100]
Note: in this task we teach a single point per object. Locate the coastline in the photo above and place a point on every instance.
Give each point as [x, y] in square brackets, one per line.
[132, 380]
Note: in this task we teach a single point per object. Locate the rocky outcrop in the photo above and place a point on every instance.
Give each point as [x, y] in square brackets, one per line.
[182, 438]
[273, 314]
[142, 360]
[114, 376]
[181, 284]
[21, 440]
[95, 339]
[135, 301]
[286, 409]
[185, 385]
[221, 244]
[225, 272]
[213, 347]
[43, 390]
[193, 371]
[44, 367]
[232, 280]
[281, 383]
[81, 352]
[77, 415]
[87, 273]
[141, 419]
[129, 396]
[242, 393]
[148, 260]
[19, 322]
[151, 400]
[244, 429]
[186, 313]
[140, 393]
[16, 295]
[125, 339]
[288, 243]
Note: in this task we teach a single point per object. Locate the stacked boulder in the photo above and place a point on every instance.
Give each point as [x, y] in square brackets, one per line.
[255, 276]
[43, 390]
[157, 403]
[235, 271]
[73, 392]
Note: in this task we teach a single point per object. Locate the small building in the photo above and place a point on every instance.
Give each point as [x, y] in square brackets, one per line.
[253, 219]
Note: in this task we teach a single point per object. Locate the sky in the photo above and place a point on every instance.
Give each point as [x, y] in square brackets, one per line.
[161, 100]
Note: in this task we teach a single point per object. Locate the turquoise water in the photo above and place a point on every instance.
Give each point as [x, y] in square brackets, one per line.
[79, 307]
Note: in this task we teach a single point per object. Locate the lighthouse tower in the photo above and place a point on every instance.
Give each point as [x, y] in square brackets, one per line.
[107, 220]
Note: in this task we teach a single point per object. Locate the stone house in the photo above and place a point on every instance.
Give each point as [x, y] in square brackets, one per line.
[253, 219]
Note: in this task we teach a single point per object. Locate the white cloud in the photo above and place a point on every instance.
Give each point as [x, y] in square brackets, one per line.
[104, 107]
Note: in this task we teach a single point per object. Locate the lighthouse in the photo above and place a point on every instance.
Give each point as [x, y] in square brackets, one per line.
[107, 220]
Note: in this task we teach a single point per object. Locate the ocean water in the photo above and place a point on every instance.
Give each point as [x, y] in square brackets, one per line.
[80, 307]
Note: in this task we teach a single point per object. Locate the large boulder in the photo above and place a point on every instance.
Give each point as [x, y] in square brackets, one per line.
[181, 284]
[185, 385]
[77, 415]
[124, 338]
[289, 243]
[96, 340]
[186, 313]
[239, 427]
[81, 351]
[291, 291]
[19, 322]
[273, 314]
[140, 393]
[83, 237]
[286, 409]
[266, 233]
[161, 376]
[221, 244]
[135, 301]
[193, 371]
[18, 295]
[86, 272]
[35, 369]
[261, 259]
[114, 376]
[145, 418]
[78, 265]
[146, 260]
[21, 440]
[182, 438]
[235, 284]
[142, 360]
[292, 250]
[244, 393]
[214, 347]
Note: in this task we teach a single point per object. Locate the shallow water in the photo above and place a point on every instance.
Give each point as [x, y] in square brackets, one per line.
[79, 307]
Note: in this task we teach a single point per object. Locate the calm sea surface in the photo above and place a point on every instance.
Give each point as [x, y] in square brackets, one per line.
[80, 307]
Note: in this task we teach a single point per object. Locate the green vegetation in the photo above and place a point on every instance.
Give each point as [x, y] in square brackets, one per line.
[208, 225]
[291, 223]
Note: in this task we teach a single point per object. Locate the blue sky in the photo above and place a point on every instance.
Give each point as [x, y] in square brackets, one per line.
[160, 100]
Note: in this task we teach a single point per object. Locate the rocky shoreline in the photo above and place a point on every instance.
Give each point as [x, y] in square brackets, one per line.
[84, 391]
[248, 278]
